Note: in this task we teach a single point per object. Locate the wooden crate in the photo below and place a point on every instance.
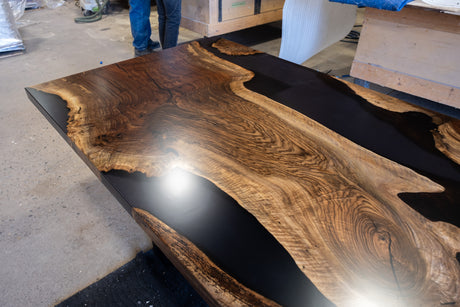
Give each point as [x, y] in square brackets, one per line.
[416, 51]
[215, 17]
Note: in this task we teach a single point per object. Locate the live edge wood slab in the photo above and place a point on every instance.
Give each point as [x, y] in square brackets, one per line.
[302, 190]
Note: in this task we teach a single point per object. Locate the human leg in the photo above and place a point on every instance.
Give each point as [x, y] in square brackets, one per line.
[161, 20]
[169, 22]
[139, 13]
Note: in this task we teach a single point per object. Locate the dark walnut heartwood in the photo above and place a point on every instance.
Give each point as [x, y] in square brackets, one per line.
[332, 204]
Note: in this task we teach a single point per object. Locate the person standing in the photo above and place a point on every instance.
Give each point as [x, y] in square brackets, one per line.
[169, 15]
[139, 17]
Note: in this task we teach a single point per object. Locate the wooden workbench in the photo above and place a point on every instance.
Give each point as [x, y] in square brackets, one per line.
[416, 50]
[302, 190]
[215, 17]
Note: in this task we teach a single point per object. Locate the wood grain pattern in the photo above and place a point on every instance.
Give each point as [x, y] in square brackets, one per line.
[231, 48]
[220, 289]
[333, 205]
[269, 5]
[419, 17]
[447, 134]
[390, 103]
[447, 138]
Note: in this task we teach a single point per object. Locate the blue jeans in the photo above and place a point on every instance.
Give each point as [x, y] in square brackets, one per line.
[139, 13]
[169, 15]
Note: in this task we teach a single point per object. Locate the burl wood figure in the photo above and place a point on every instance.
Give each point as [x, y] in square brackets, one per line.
[332, 204]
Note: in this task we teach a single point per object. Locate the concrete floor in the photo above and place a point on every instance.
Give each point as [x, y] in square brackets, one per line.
[60, 229]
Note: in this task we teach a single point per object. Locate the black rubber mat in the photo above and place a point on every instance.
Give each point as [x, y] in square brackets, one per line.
[148, 280]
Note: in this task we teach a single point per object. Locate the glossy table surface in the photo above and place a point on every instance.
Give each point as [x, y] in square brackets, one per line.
[229, 235]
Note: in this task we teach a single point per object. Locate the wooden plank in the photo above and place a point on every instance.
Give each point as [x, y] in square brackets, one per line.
[198, 10]
[244, 22]
[270, 5]
[441, 93]
[195, 25]
[414, 49]
[409, 45]
[213, 11]
[202, 16]
[232, 9]
[332, 204]
[218, 28]
[417, 17]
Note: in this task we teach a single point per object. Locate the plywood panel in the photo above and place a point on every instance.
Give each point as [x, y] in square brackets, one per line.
[270, 5]
[244, 22]
[232, 9]
[418, 17]
[198, 10]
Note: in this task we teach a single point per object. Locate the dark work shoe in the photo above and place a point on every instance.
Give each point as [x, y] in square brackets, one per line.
[150, 48]
[153, 45]
[138, 52]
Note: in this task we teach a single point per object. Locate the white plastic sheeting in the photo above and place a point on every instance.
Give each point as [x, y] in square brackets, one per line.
[10, 40]
[309, 26]
[18, 7]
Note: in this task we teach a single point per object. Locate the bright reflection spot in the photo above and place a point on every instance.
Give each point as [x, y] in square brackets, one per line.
[178, 183]
[361, 302]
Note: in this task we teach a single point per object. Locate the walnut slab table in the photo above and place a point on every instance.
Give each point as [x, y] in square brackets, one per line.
[267, 183]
